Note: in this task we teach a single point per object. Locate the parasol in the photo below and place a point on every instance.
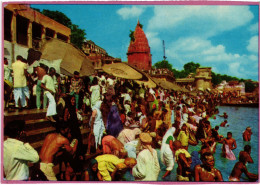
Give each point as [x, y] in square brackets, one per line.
[72, 59]
[122, 70]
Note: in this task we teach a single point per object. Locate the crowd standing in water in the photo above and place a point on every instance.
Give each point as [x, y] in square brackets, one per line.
[128, 123]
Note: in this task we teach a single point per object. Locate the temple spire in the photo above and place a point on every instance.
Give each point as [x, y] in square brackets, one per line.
[139, 51]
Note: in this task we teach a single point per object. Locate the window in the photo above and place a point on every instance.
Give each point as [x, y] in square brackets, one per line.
[22, 30]
[8, 15]
[49, 33]
[36, 35]
[62, 37]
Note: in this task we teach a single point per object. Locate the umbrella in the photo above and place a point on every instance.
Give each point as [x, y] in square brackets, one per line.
[146, 80]
[167, 85]
[183, 89]
[122, 70]
[193, 93]
[72, 59]
[149, 82]
[86, 67]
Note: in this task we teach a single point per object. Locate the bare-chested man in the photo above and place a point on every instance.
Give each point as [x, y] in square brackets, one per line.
[206, 172]
[229, 144]
[223, 124]
[54, 144]
[112, 145]
[247, 134]
[240, 167]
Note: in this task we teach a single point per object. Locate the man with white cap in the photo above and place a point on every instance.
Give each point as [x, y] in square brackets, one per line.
[147, 167]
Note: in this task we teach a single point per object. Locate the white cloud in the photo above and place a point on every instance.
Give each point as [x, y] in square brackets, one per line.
[154, 41]
[204, 52]
[130, 12]
[234, 69]
[204, 20]
[253, 44]
[253, 57]
[254, 28]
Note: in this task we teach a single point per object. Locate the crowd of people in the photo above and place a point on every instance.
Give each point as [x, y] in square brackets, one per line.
[128, 124]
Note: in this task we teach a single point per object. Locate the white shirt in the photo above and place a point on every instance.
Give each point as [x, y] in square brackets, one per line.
[16, 156]
[147, 167]
[110, 81]
[95, 94]
[126, 97]
[49, 83]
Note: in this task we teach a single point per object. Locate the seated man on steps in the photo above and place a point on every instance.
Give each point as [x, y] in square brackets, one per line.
[55, 144]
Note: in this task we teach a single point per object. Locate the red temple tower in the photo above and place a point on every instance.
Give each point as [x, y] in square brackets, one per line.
[139, 50]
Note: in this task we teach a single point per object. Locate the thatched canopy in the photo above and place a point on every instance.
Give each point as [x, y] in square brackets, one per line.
[122, 70]
[72, 58]
[168, 85]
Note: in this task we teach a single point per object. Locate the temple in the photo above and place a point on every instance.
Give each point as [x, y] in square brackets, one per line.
[139, 50]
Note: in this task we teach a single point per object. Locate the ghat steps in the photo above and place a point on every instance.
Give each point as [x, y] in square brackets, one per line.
[36, 126]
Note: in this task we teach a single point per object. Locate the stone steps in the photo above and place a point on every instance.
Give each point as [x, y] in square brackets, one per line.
[32, 114]
[37, 127]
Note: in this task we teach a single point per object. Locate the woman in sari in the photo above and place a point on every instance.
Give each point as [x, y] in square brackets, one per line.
[114, 124]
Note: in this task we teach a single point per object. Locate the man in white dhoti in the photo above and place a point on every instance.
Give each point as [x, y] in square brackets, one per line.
[47, 84]
[147, 167]
[96, 125]
[167, 151]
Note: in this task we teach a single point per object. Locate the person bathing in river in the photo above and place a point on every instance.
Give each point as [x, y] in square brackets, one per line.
[216, 135]
[206, 172]
[229, 144]
[240, 167]
[223, 124]
[224, 115]
[247, 134]
[247, 151]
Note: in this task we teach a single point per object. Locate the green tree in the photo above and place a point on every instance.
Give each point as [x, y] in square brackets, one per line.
[77, 35]
[58, 16]
[36, 9]
[216, 78]
[132, 36]
[191, 67]
[164, 64]
[249, 86]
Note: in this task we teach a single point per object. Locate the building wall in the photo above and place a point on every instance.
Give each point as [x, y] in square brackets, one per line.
[203, 78]
[97, 55]
[15, 50]
[31, 18]
[34, 16]
[136, 58]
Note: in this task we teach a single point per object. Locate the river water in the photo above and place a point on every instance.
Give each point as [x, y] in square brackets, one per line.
[238, 119]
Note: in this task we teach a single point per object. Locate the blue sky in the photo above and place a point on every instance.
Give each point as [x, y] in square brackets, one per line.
[222, 37]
